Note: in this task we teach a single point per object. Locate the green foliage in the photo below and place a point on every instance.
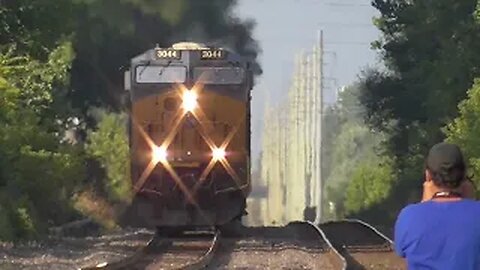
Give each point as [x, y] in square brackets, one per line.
[38, 174]
[350, 143]
[109, 145]
[60, 58]
[6, 227]
[35, 27]
[465, 129]
[430, 48]
[330, 130]
[354, 144]
[372, 181]
[24, 218]
[29, 82]
[430, 51]
[345, 118]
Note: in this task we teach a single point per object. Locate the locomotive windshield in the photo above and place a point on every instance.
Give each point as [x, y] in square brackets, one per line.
[160, 74]
[219, 75]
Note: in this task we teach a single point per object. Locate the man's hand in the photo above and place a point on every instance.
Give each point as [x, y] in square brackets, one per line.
[429, 190]
[466, 189]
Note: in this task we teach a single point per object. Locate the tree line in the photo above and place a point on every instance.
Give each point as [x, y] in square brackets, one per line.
[61, 65]
[63, 134]
[427, 92]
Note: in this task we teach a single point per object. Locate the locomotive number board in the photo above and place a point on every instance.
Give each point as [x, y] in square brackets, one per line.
[212, 54]
[168, 54]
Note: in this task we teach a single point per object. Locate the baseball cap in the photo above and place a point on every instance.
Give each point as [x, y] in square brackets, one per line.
[446, 162]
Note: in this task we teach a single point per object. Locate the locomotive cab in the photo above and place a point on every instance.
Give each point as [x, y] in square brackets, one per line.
[189, 133]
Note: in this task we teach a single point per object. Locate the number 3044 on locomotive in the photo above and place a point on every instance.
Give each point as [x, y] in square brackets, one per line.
[189, 135]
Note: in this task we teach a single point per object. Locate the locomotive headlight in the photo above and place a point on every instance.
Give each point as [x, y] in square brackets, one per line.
[189, 100]
[159, 154]
[218, 154]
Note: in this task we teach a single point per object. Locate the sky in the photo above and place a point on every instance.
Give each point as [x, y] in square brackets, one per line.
[285, 27]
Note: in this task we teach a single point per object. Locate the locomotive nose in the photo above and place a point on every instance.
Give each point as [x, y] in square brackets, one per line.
[190, 146]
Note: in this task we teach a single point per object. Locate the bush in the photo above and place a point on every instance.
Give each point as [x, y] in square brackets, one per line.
[7, 231]
[38, 174]
[371, 183]
[464, 130]
[109, 145]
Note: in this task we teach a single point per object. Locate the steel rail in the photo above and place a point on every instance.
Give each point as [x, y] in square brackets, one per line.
[130, 260]
[208, 257]
[155, 249]
[371, 228]
[336, 258]
[353, 249]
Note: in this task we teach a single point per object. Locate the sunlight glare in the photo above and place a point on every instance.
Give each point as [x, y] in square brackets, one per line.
[159, 154]
[189, 100]
[218, 153]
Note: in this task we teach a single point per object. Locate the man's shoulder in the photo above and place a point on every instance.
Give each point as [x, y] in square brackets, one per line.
[415, 208]
[426, 206]
[409, 213]
[411, 208]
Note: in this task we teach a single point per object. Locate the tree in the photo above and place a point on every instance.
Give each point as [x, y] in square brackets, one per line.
[35, 27]
[107, 34]
[58, 59]
[429, 51]
[355, 144]
[38, 174]
[429, 48]
[372, 182]
[465, 128]
[350, 143]
[109, 144]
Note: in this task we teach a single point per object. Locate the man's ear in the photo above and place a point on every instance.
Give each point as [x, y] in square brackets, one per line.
[428, 176]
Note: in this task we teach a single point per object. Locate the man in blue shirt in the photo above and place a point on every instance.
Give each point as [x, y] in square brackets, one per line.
[442, 231]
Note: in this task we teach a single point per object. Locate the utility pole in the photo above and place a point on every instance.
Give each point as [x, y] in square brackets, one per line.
[294, 184]
[292, 156]
[309, 145]
[319, 52]
[266, 170]
[302, 108]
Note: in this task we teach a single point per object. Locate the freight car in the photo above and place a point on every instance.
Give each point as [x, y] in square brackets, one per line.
[189, 135]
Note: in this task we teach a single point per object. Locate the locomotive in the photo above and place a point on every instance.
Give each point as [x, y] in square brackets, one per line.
[189, 136]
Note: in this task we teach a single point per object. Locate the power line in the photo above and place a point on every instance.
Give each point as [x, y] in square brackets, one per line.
[352, 24]
[348, 43]
[341, 43]
[347, 5]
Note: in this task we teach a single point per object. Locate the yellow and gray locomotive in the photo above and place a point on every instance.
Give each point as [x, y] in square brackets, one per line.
[189, 132]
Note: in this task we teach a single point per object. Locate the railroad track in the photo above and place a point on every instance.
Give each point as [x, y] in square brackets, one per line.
[190, 251]
[362, 245]
[299, 245]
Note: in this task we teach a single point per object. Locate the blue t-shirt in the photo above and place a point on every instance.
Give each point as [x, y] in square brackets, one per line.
[439, 235]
